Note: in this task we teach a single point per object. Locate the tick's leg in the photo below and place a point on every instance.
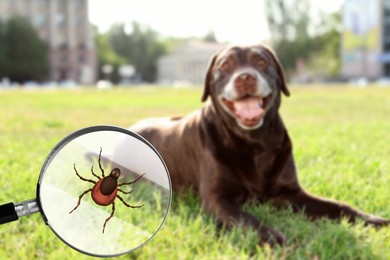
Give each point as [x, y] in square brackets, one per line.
[125, 192]
[82, 178]
[127, 205]
[100, 164]
[128, 183]
[94, 173]
[112, 214]
[78, 202]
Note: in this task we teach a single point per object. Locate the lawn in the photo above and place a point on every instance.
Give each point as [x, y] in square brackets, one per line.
[341, 144]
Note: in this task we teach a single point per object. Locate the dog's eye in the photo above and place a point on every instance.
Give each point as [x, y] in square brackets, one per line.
[259, 61]
[226, 66]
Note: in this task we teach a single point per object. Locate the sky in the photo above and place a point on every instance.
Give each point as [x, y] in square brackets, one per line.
[233, 21]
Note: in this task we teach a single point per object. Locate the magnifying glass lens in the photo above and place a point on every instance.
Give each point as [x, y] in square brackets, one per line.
[104, 191]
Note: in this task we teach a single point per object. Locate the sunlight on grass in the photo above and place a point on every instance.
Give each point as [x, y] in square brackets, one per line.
[341, 145]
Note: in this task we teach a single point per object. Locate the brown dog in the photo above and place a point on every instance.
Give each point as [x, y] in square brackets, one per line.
[237, 148]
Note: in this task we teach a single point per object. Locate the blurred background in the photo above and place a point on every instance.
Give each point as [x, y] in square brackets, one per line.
[67, 51]
[67, 43]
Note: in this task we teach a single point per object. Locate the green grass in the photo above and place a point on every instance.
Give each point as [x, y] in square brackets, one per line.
[341, 144]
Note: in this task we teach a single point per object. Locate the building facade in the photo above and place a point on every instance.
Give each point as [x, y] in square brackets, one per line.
[65, 26]
[366, 39]
[187, 64]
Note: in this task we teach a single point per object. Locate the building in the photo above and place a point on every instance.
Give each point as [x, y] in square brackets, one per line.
[64, 25]
[366, 39]
[187, 64]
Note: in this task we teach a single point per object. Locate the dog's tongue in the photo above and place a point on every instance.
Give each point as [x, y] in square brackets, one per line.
[248, 109]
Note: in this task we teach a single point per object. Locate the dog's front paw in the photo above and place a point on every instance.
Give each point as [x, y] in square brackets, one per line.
[376, 221]
[271, 237]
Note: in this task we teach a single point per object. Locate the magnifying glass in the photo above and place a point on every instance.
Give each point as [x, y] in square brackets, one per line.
[103, 190]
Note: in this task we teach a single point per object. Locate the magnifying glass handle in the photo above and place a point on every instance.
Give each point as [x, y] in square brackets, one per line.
[10, 212]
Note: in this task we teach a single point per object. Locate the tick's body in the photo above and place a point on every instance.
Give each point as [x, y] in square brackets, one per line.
[99, 197]
[105, 190]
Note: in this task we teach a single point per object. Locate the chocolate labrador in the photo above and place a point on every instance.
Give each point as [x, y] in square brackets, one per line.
[236, 148]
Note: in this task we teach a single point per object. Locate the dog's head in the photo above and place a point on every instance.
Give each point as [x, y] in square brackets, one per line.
[246, 83]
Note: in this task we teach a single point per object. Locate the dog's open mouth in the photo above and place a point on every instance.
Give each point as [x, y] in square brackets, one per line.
[248, 110]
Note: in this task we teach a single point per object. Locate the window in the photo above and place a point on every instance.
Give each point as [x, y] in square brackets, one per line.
[81, 58]
[40, 20]
[63, 46]
[386, 4]
[43, 6]
[64, 59]
[386, 10]
[81, 46]
[79, 20]
[386, 31]
[386, 47]
[60, 19]
[386, 69]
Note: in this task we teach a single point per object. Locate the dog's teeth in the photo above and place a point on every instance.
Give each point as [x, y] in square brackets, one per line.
[261, 102]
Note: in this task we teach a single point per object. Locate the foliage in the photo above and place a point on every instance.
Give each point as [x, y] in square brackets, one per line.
[136, 45]
[341, 150]
[300, 32]
[2, 50]
[106, 56]
[326, 58]
[210, 37]
[25, 55]
[139, 46]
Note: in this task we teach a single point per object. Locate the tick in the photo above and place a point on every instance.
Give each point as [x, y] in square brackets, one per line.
[105, 190]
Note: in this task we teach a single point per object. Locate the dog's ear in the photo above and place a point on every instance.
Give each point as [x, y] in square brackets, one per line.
[279, 69]
[207, 83]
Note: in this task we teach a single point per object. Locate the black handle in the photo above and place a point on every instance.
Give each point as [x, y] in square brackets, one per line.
[8, 213]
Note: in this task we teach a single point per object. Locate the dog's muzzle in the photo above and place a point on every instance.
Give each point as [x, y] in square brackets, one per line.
[246, 97]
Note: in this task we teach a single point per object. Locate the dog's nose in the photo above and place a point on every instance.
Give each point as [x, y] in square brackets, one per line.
[245, 83]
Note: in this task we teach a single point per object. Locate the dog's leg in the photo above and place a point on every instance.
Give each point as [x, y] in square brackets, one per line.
[284, 189]
[317, 207]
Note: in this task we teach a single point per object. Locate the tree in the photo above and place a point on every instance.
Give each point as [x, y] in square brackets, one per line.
[210, 37]
[299, 32]
[139, 46]
[26, 55]
[106, 56]
[288, 22]
[328, 57]
[2, 50]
